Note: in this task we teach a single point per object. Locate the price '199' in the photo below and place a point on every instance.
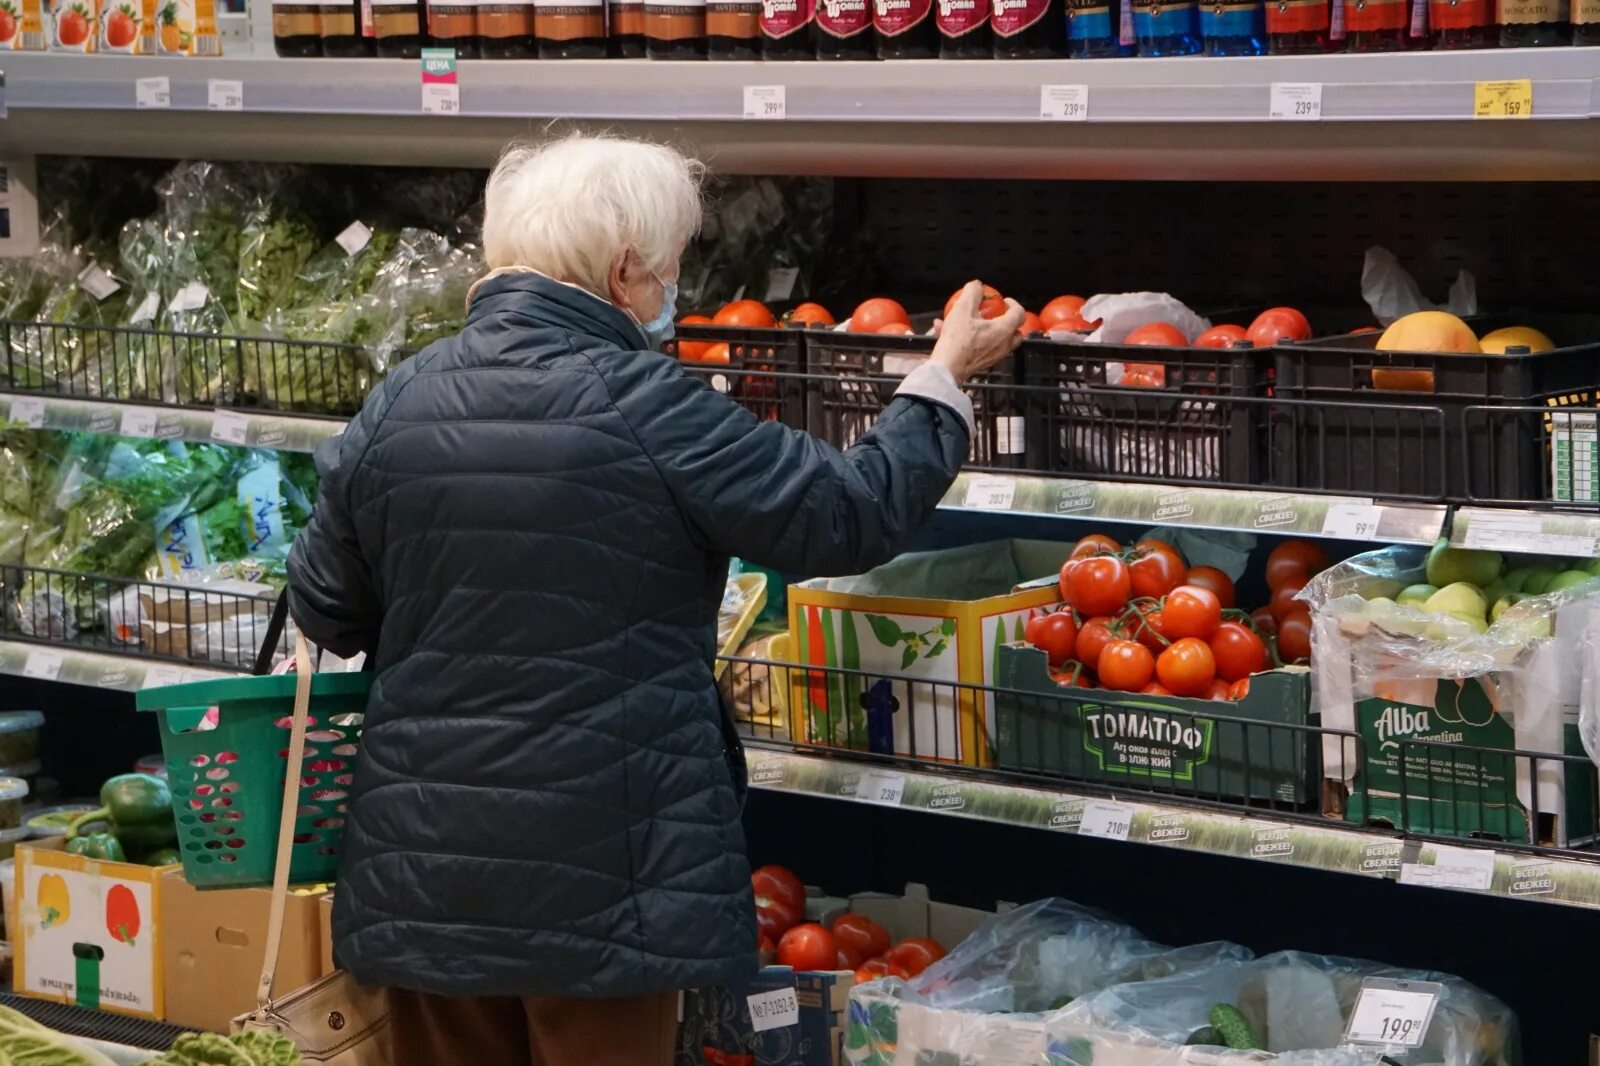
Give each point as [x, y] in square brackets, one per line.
[1398, 1030]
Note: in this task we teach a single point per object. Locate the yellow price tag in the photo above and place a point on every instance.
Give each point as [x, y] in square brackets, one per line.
[1503, 99]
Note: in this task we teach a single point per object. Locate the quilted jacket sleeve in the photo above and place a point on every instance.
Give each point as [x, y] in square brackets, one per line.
[782, 498]
[332, 594]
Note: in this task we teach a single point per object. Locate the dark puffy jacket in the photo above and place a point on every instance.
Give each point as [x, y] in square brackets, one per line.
[528, 528]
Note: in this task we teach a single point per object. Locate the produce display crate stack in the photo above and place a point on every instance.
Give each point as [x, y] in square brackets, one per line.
[758, 367]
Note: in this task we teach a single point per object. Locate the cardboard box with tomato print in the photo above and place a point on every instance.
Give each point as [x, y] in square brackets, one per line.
[73, 25]
[936, 617]
[87, 933]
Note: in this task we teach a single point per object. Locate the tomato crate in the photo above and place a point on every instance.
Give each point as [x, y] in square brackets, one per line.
[1435, 426]
[761, 371]
[1146, 411]
[851, 377]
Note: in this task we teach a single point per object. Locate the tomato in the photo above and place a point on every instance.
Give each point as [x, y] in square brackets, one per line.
[1162, 333]
[895, 329]
[1309, 557]
[1072, 674]
[1209, 577]
[1294, 636]
[1403, 380]
[1035, 624]
[776, 884]
[861, 934]
[849, 958]
[1190, 611]
[1154, 688]
[1147, 630]
[774, 918]
[915, 954]
[1152, 544]
[1058, 637]
[1220, 337]
[1238, 652]
[766, 950]
[876, 313]
[871, 970]
[1283, 600]
[1187, 668]
[1064, 312]
[1155, 573]
[1262, 619]
[1095, 544]
[1364, 329]
[693, 351]
[809, 314]
[1093, 636]
[716, 353]
[749, 314]
[1125, 666]
[808, 947]
[1030, 324]
[993, 304]
[1278, 324]
[1097, 585]
[1139, 379]
[1239, 689]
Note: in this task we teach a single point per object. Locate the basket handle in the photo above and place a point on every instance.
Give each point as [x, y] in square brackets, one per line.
[291, 804]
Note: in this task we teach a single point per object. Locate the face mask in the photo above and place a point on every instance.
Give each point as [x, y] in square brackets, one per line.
[659, 330]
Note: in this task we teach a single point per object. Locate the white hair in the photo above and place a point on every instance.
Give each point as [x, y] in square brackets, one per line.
[571, 208]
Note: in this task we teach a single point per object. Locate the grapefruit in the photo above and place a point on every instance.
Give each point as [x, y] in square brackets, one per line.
[1422, 331]
[1497, 342]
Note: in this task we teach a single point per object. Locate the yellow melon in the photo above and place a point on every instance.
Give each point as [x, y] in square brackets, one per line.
[1429, 331]
[1497, 342]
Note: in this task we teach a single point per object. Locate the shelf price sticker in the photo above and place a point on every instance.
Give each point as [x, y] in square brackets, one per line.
[162, 675]
[766, 102]
[1063, 103]
[230, 428]
[138, 422]
[1503, 99]
[441, 93]
[1295, 101]
[773, 1010]
[991, 493]
[1524, 533]
[881, 786]
[1392, 1014]
[43, 664]
[1352, 521]
[224, 95]
[152, 92]
[1105, 819]
[29, 411]
[1469, 869]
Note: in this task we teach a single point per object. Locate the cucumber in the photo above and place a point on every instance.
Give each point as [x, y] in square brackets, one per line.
[1235, 1030]
[1206, 1036]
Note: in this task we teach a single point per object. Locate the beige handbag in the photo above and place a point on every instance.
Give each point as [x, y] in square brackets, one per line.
[334, 1021]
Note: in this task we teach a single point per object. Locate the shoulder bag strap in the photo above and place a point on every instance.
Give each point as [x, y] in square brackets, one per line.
[291, 805]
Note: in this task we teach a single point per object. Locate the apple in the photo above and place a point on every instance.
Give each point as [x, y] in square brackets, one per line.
[1447, 565]
[1505, 603]
[1538, 580]
[1516, 579]
[1458, 598]
[1415, 595]
[1569, 579]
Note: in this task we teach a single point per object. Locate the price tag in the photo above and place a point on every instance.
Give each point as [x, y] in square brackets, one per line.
[354, 237]
[881, 786]
[1471, 869]
[1064, 103]
[197, 675]
[1523, 533]
[773, 1010]
[991, 493]
[230, 428]
[1102, 818]
[152, 92]
[441, 94]
[161, 675]
[93, 280]
[1295, 101]
[780, 282]
[146, 311]
[1503, 99]
[766, 101]
[191, 297]
[28, 411]
[1351, 521]
[1392, 1013]
[224, 95]
[138, 422]
[43, 664]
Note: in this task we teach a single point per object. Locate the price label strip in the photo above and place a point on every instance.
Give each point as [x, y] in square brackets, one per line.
[1352, 521]
[881, 786]
[773, 1010]
[1503, 99]
[1063, 103]
[161, 675]
[991, 493]
[1294, 101]
[1392, 1014]
[1107, 820]
[1523, 533]
[766, 102]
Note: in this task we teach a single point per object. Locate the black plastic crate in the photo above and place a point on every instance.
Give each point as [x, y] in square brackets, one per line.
[853, 376]
[761, 369]
[1568, 473]
[1383, 443]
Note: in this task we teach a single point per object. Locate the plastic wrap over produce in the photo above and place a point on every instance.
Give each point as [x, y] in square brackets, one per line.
[987, 1003]
[1286, 1008]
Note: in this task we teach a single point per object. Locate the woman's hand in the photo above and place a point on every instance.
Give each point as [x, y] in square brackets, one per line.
[969, 343]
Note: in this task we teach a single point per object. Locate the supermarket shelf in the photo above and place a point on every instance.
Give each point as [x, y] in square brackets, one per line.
[297, 433]
[1513, 530]
[1340, 517]
[1329, 847]
[370, 111]
[77, 666]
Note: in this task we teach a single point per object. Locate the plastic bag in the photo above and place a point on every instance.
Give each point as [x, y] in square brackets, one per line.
[1298, 1006]
[761, 238]
[984, 1001]
[1391, 292]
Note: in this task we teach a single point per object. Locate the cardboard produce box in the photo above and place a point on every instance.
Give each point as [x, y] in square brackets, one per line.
[90, 933]
[938, 616]
[325, 935]
[213, 944]
[1128, 738]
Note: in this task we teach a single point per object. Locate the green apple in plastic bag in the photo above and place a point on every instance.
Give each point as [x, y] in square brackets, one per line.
[1448, 566]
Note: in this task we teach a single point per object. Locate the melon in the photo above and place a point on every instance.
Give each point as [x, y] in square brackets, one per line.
[1429, 331]
[1497, 342]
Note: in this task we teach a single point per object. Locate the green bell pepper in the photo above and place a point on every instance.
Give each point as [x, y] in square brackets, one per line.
[102, 846]
[161, 857]
[138, 811]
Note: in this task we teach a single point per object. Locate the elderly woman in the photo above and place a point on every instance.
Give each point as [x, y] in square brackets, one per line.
[527, 529]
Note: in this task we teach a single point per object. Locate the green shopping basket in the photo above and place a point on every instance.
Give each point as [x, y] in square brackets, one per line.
[226, 742]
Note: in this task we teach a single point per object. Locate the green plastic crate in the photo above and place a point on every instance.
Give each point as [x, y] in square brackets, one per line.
[227, 773]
